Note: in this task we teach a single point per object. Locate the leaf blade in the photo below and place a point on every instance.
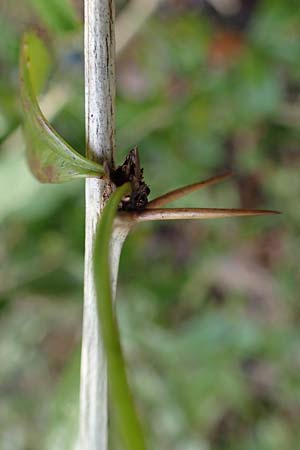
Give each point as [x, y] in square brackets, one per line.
[51, 159]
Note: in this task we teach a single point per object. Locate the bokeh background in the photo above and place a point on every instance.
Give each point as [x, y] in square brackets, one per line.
[209, 311]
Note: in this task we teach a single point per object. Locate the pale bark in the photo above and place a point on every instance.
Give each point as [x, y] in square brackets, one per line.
[99, 49]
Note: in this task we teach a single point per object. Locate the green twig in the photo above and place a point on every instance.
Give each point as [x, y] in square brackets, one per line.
[120, 395]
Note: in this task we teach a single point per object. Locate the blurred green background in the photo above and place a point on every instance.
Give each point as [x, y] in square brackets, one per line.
[209, 311]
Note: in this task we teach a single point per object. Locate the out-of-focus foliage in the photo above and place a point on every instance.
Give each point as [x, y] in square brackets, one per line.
[209, 311]
[58, 15]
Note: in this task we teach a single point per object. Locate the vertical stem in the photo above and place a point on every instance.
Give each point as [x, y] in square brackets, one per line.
[99, 50]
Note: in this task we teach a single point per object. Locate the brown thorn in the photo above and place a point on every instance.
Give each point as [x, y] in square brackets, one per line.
[185, 190]
[196, 213]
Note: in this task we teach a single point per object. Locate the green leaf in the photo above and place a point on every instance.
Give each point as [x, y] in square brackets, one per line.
[38, 61]
[120, 396]
[50, 157]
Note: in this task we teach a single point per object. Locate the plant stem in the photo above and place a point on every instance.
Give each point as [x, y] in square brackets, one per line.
[121, 401]
[99, 50]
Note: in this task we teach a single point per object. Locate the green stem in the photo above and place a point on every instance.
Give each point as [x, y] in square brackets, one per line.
[120, 395]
